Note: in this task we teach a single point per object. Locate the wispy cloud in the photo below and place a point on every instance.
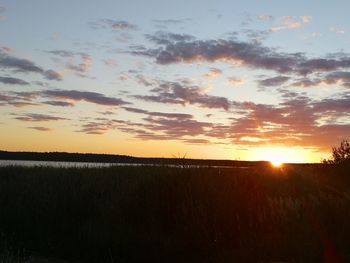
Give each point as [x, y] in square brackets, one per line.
[271, 82]
[182, 93]
[35, 117]
[26, 66]
[40, 128]
[290, 22]
[213, 73]
[265, 17]
[253, 55]
[13, 81]
[338, 30]
[78, 62]
[234, 81]
[112, 24]
[92, 97]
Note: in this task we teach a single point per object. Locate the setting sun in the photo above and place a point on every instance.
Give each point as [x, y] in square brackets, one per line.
[276, 163]
[279, 155]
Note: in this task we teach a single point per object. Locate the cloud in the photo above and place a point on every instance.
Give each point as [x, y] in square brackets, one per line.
[338, 30]
[164, 38]
[97, 128]
[34, 117]
[64, 53]
[275, 81]
[113, 24]
[59, 103]
[13, 81]
[182, 93]
[80, 67]
[337, 77]
[92, 97]
[177, 127]
[298, 121]
[171, 21]
[306, 19]
[25, 66]
[144, 80]
[40, 128]
[159, 114]
[7, 50]
[53, 75]
[265, 17]
[213, 73]
[110, 62]
[234, 81]
[19, 99]
[257, 35]
[249, 54]
[289, 22]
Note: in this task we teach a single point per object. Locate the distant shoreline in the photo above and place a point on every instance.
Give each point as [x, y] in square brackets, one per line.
[114, 158]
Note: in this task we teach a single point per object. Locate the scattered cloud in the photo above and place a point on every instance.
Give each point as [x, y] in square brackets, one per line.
[265, 17]
[341, 78]
[71, 58]
[165, 38]
[213, 73]
[25, 66]
[13, 81]
[35, 117]
[338, 30]
[234, 81]
[182, 93]
[159, 114]
[275, 81]
[170, 21]
[257, 35]
[53, 75]
[59, 103]
[249, 54]
[306, 19]
[7, 50]
[40, 128]
[83, 66]
[290, 22]
[92, 97]
[112, 24]
[110, 62]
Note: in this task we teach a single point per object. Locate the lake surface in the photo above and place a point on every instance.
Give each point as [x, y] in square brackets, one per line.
[25, 163]
[61, 164]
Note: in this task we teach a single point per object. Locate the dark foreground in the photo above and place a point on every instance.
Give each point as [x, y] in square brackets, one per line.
[162, 214]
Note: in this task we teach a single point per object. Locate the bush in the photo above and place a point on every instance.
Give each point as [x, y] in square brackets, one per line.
[341, 154]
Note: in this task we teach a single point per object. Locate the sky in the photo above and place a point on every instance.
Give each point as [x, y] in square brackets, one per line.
[240, 80]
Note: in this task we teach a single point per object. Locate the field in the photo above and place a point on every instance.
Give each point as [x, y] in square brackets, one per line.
[164, 214]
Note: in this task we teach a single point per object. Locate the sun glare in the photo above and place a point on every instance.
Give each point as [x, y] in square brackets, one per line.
[277, 156]
[276, 163]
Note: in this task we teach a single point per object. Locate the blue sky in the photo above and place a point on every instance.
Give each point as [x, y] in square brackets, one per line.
[213, 79]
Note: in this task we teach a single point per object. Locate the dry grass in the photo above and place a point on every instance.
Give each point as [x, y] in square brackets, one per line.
[143, 214]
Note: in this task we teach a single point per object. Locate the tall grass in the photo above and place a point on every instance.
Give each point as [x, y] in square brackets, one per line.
[163, 214]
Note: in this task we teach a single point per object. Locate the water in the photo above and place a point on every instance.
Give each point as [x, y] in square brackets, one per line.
[61, 164]
[25, 163]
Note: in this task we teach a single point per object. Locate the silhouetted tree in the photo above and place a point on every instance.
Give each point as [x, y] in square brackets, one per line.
[341, 154]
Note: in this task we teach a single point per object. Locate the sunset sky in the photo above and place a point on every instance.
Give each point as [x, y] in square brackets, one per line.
[245, 80]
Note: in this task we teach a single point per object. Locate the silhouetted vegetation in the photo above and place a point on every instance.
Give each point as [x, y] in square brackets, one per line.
[162, 214]
[111, 158]
[340, 154]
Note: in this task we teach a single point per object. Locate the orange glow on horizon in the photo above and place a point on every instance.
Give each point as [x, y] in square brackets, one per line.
[279, 155]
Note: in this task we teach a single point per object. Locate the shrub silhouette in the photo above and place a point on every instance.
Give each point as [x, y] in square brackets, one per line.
[340, 154]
